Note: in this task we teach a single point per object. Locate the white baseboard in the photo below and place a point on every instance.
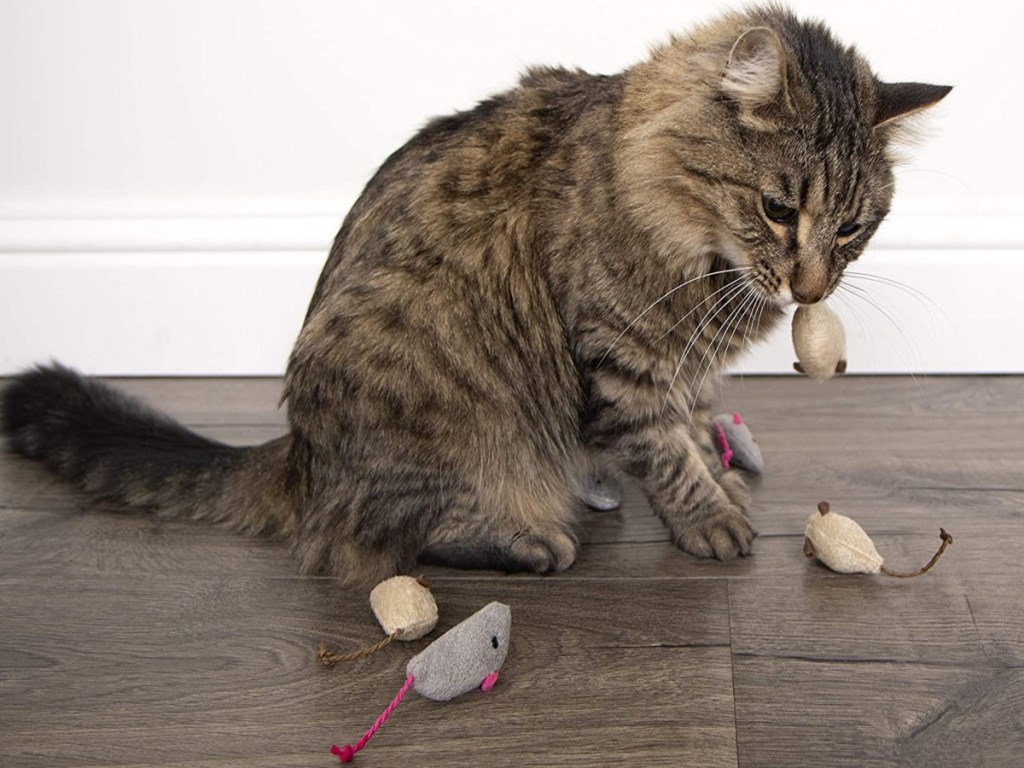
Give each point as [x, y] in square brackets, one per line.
[158, 313]
[227, 295]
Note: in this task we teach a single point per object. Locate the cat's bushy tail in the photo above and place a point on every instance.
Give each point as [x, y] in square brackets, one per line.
[116, 449]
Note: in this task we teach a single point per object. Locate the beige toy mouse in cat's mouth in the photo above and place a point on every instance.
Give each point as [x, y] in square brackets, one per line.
[819, 341]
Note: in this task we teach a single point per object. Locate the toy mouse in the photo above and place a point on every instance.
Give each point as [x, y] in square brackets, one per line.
[842, 545]
[465, 657]
[736, 443]
[405, 609]
[819, 341]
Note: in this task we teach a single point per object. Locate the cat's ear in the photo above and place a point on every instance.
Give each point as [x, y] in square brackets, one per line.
[899, 100]
[755, 74]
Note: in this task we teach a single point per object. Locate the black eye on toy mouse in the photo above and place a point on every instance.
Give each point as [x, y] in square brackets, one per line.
[494, 641]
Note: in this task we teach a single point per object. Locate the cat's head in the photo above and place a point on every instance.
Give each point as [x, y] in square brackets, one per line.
[772, 143]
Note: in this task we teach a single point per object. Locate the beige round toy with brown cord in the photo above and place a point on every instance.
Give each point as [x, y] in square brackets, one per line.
[404, 607]
[819, 341]
[842, 545]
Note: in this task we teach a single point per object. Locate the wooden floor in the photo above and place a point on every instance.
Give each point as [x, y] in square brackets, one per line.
[127, 641]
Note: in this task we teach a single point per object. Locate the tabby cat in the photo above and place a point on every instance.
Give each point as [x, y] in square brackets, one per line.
[526, 293]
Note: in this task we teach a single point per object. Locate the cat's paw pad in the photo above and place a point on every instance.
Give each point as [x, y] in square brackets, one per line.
[724, 535]
[544, 553]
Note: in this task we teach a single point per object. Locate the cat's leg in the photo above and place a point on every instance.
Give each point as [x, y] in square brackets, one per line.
[658, 446]
[366, 529]
[681, 489]
[336, 539]
[735, 485]
[467, 537]
[733, 481]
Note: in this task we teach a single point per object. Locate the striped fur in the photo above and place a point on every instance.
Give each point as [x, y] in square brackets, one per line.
[551, 281]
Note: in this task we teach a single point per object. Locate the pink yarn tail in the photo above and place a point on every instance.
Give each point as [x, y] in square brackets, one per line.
[489, 682]
[723, 444]
[346, 753]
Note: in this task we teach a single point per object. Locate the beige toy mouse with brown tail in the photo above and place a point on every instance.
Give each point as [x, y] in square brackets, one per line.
[819, 341]
[842, 545]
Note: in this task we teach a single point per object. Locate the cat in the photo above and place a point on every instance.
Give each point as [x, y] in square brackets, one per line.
[526, 293]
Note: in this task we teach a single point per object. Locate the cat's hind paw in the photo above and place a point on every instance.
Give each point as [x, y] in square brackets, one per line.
[543, 553]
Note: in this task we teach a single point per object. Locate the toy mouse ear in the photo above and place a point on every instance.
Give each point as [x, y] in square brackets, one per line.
[899, 100]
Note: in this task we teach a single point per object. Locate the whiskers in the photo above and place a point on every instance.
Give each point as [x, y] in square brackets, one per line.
[747, 312]
[965, 193]
[854, 288]
[666, 295]
[741, 301]
[919, 296]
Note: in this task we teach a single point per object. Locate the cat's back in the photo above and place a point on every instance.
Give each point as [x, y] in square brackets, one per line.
[439, 266]
[470, 177]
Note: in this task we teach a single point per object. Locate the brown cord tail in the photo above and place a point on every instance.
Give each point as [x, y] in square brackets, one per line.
[329, 659]
[946, 541]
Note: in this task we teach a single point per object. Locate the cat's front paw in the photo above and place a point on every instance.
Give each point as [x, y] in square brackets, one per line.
[725, 535]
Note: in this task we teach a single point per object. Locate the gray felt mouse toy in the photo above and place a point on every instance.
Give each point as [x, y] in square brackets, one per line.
[736, 443]
[465, 657]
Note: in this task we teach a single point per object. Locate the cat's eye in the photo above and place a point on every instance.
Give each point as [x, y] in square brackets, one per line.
[848, 229]
[778, 212]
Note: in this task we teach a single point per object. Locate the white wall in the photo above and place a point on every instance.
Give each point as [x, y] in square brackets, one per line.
[171, 173]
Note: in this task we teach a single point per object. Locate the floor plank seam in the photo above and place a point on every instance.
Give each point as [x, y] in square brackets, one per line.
[658, 646]
[964, 488]
[966, 664]
[732, 674]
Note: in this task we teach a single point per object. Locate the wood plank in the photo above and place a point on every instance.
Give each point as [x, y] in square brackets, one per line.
[630, 543]
[211, 401]
[51, 546]
[856, 618]
[184, 669]
[996, 602]
[800, 712]
[779, 398]
[678, 713]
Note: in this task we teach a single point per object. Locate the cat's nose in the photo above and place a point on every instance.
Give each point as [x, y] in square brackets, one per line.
[808, 281]
[806, 296]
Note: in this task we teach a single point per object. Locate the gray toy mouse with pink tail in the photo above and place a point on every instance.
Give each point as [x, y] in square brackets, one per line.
[736, 444]
[467, 656]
